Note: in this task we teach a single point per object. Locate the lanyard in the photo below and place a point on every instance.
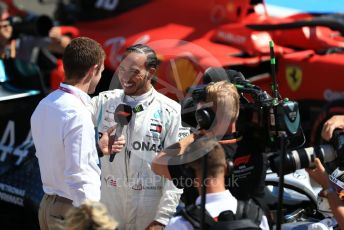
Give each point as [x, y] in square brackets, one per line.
[64, 89]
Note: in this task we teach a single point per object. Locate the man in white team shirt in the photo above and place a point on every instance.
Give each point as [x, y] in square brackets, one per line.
[133, 194]
[64, 137]
[218, 199]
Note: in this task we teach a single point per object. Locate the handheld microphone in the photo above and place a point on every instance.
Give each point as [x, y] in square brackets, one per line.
[122, 117]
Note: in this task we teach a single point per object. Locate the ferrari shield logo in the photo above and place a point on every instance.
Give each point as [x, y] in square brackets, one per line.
[294, 77]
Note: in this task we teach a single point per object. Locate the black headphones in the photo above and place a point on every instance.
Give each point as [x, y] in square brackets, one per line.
[204, 116]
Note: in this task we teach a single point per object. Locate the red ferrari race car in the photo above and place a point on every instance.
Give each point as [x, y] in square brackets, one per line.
[189, 37]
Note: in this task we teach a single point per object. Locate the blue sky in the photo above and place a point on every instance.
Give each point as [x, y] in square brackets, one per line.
[313, 6]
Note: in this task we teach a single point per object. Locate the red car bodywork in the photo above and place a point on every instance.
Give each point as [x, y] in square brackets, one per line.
[187, 35]
[190, 36]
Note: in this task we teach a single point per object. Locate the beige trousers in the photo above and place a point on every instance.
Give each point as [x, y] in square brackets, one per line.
[52, 211]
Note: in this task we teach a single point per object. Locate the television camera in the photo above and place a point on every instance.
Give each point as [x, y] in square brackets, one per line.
[262, 118]
[31, 25]
[273, 124]
[269, 123]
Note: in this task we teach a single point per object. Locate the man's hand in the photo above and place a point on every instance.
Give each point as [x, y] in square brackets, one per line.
[155, 225]
[335, 122]
[59, 41]
[319, 174]
[108, 144]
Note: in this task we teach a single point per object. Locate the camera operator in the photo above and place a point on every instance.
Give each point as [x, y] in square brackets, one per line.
[218, 200]
[321, 177]
[23, 46]
[247, 179]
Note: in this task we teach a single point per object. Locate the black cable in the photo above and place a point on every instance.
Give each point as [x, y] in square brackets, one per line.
[203, 190]
[283, 152]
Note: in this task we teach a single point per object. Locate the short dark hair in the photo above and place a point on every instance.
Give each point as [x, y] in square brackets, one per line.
[216, 158]
[80, 55]
[152, 60]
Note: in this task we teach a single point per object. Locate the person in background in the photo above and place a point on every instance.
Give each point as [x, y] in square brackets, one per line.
[90, 215]
[218, 110]
[320, 175]
[23, 46]
[218, 199]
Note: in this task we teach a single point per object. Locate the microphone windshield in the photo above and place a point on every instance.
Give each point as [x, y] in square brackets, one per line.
[123, 114]
[215, 74]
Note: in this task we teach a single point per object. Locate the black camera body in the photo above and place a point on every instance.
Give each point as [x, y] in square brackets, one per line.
[262, 121]
[265, 119]
[304, 158]
[261, 118]
[31, 25]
